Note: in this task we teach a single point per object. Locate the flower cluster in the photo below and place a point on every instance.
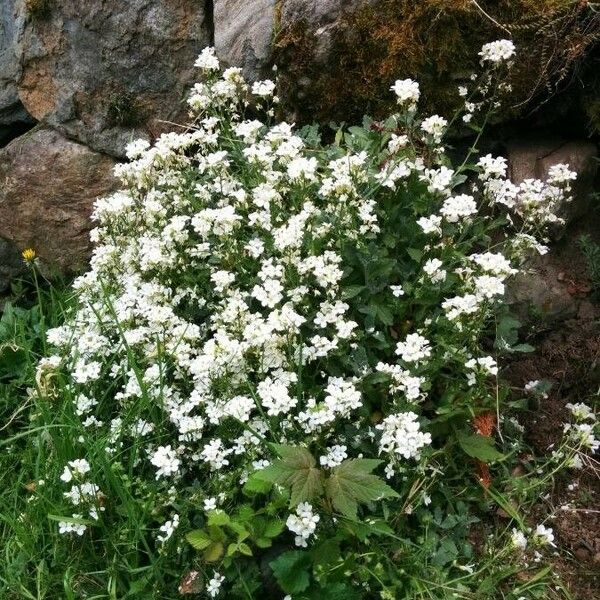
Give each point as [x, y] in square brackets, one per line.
[303, 524]
[251, 286]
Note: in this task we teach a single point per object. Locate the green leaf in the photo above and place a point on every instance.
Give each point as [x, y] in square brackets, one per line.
[291, 571]
[198, 539]
[245, 549]
[385, 315]
[352, 482]
[241, 548]
[273, 528]
[296, 471]
[216, 533]
[415, 254]
[214, 552]
[218, 517]
[351, 291]
[335, 591]
[478, 446]
[255, 485]
[326, 553]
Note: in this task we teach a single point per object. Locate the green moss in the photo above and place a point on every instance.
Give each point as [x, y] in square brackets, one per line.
[125, 110]
[39, 9]
[436, 42]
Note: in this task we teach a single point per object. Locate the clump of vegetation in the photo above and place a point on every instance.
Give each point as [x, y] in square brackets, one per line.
[280, 377]
[438, 40]
[125, 109]
[591, 253]
[39, 9]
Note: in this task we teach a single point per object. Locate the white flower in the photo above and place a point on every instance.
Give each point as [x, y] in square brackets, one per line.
[65, 527]
[581, 411]
[488, 286]
[434, 271]
[165, 460]
[207, 60]
[583, 434]
[458, 207]
[263, 88]
[210, 504]
[414, 348]
[460, 305]
[544, 535]
[560, 174]
[167, 530]
[214, 584]
[407, 92]
[334, 457]
[497, 52]
[435, 127]
[492, 167]
[518, 539]
[397, 142]
[303, 523]
[302, 168]
[397, 290]
[136, 149]
[431, 225]
[401, 434]
[75, 468]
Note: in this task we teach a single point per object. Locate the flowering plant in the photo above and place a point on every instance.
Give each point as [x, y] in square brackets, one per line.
[281, 347]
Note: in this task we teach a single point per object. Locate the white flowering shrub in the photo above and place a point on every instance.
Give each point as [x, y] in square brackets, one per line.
[279, 356]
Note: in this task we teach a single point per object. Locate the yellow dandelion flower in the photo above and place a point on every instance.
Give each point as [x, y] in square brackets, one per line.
[28, 255]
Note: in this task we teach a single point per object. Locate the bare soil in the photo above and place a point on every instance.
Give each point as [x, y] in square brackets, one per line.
[568, 354]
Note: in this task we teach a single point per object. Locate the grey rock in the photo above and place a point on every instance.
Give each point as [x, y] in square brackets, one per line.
[11, 264]
[106, 71]
[533, 296]
[243, 34]
[532, 158]
[12, 20]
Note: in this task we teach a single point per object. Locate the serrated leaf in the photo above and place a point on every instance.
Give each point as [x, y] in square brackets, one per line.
[326, 553]
[245, 549]
[478, 446]
[218, 517]
[273, 528]
[198, 539]
[296, 471]
[291, 571]
[263, 542]
[352, 483]
[351, 291]
[254, 485]
[216, 533]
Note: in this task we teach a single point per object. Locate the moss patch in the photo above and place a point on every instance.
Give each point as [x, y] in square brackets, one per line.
[124, 109]
[436, 42]
[39, 9]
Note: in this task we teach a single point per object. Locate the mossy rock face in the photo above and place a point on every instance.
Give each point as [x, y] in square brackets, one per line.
[343, 68]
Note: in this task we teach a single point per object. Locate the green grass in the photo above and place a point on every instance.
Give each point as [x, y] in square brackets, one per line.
[39, 433]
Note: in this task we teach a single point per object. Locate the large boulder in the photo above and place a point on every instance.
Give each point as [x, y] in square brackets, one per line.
[244, 34]
[13, 116]
[47, 188]
[11, 264]
[531, 158]
[105, 71]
